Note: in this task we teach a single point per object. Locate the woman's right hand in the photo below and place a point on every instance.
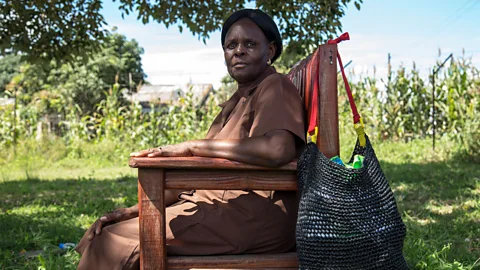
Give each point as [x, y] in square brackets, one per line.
[109, 218]
[175, 150]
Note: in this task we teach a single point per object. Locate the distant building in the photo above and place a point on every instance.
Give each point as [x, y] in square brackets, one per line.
[5, 102]
[162, 94]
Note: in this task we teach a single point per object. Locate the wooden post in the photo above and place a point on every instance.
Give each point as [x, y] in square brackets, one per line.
[433, 109]
[153, 253]
[328, 139]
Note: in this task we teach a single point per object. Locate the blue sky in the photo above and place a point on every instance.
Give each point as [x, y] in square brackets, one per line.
[409, 30]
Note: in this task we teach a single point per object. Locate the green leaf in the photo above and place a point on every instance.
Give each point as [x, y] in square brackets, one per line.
[357, 5]
[80, 24]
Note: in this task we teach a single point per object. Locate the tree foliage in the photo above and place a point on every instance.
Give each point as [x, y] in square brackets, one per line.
[59, 29]
[9, 67]
[82, 83]
[50, 29]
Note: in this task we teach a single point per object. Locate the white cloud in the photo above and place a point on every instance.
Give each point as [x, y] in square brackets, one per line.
[369, 51]
[476, 60]
[174, 58]
[197, 66]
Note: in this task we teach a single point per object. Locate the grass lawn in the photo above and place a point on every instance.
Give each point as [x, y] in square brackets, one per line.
[49, 197]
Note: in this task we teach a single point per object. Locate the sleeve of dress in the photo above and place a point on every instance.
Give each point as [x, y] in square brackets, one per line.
[278, 105]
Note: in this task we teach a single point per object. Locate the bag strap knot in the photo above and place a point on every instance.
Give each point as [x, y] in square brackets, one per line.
[342, 37]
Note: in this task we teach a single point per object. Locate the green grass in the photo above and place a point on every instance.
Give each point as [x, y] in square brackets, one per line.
[50, 193]
[439, 200]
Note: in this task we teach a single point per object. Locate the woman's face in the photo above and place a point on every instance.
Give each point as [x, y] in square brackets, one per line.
[246, 51]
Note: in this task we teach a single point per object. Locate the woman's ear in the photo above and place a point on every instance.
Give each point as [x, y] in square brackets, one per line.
[272, 48]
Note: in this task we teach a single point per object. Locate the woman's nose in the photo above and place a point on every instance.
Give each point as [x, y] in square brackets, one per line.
[240, 50]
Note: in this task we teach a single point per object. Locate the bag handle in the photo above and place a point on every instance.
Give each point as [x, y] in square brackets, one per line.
[312, 79]
[357, 120]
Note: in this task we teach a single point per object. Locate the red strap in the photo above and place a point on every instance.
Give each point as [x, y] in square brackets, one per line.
[341, 38]
[313, 67]
[356, 116]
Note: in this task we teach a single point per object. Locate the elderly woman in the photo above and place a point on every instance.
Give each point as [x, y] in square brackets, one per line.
[261, 124]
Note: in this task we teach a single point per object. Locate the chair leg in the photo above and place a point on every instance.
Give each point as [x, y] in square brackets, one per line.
[153, 253]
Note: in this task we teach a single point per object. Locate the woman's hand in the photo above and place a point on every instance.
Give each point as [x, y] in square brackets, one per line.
[118, 215]
[175, 150]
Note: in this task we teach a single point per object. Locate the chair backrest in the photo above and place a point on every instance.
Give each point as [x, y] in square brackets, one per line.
[316, 79]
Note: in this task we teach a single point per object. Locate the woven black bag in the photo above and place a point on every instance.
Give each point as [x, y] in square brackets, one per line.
[347, 218]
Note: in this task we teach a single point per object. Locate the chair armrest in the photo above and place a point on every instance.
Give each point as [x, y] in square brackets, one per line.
[201, 163]
[188, 173]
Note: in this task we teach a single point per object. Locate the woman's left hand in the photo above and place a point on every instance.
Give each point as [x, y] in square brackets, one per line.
[175, 150]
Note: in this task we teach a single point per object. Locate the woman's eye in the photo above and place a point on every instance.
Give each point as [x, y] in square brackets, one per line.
[251, 44]
[231, 46]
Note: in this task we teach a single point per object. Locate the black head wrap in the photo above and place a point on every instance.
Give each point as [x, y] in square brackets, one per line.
[264, 22]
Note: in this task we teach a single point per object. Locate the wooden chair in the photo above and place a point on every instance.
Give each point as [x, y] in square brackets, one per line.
[157, 174]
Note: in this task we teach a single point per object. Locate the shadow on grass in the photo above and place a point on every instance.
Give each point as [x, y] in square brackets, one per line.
[439, 203]
[38, 212]
[438, 200]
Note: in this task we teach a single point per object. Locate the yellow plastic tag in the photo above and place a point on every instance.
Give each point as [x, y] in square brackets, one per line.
[313, 138]
[360, 129]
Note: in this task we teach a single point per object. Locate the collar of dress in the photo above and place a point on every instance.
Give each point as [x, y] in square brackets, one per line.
[246, 89]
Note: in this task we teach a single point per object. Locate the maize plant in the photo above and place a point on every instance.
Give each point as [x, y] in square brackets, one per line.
[397, 107]
[403, 109]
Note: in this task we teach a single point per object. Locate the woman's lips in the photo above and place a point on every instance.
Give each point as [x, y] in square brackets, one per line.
[239, 65]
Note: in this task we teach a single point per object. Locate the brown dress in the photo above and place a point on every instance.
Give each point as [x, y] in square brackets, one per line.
[221, 221]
